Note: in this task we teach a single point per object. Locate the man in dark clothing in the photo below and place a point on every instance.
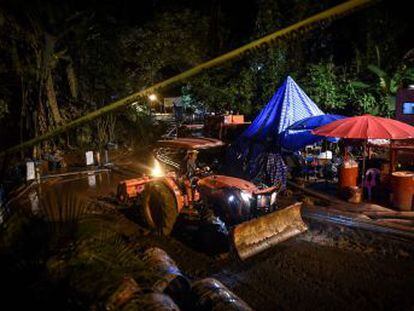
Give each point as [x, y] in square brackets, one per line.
[191, 168]
[268, 166]
[190, 173]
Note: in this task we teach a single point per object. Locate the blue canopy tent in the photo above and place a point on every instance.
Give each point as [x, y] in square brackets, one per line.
[288, 105]
[298, 135]
[251, 151]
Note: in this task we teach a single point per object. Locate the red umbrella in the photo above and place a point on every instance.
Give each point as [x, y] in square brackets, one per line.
[365, 127]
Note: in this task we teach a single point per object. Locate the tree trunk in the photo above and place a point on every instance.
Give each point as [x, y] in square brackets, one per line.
[52, 101]
[23, 120]
[73, 83]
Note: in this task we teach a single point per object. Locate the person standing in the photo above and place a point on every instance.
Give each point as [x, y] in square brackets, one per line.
[190, 174]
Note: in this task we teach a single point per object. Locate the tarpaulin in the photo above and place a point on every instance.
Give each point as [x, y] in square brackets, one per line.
[287, 106]
[299, 135]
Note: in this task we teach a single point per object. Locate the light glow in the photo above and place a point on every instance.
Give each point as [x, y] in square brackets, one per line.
[273, 198]
[152, 97]
[157, 170]
[246, 196]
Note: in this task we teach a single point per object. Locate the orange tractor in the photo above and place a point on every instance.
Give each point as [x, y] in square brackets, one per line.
[247, 212]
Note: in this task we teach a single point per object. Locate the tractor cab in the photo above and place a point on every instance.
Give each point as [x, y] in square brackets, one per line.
[171, 153]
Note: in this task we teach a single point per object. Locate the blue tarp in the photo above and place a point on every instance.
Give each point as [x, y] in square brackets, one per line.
[287, 106]
[298, 135]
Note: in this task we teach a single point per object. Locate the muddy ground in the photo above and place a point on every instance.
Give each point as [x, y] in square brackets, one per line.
[328, 268]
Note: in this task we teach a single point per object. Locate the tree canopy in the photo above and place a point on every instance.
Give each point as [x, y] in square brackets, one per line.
[62, 61]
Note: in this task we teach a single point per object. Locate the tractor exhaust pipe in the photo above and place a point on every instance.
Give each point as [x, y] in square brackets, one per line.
[254, 236]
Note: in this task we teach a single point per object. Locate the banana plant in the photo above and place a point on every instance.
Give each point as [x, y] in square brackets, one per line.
[388, 84]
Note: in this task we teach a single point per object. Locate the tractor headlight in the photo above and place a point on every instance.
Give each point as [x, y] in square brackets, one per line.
[273, 198]
[246, 196]
[262, 201]
[157, 170]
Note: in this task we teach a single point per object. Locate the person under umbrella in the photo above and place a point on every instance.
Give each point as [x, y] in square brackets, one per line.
[366, 127]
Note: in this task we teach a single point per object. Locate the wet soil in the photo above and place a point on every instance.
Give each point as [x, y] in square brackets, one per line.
[328, 268]
[301, 275]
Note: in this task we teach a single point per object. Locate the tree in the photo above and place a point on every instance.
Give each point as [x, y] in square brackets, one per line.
[64, 63]
[324, 86]
[173, 42]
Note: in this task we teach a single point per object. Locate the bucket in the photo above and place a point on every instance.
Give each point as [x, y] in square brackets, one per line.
[403, 190]
[348, 176]
[355, 195]
[170, 279]
[213, 295]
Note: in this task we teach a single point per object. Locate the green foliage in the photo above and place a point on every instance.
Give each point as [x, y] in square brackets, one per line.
[3, 108]
[388, 84]
[95, 58]
[107, 258]
[228, 89]
[248, 84]
[361, 101]
[138, 127]
[171, 43]
[351, 90]
[68, 253]
[323, 87]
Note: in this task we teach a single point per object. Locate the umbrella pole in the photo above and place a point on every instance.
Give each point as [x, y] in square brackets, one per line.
[363, 164]
[392, 158]
[325, 142]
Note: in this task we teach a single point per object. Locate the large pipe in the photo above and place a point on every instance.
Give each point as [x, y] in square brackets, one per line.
[212, 295]
[152, 302]
[304, 25]
[126, 291]
[170, 279]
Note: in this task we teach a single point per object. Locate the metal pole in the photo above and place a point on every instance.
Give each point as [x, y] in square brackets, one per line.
[363, 163]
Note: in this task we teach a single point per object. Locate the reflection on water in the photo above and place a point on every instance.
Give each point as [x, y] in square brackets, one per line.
[92, 185]
[92, 180]
[34, 201]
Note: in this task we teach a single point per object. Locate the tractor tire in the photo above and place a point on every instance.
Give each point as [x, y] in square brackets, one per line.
[159, 208]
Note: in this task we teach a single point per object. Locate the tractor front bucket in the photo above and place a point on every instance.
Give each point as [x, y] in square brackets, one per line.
[256, 235]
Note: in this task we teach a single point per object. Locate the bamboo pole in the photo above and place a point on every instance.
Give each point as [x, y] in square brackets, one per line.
[304, 25]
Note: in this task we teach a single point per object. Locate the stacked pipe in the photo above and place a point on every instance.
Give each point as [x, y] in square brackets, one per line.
[170, 280]
[172, 290]
[213, 295]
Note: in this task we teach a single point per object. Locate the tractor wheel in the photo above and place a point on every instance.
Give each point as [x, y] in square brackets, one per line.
[159, 207]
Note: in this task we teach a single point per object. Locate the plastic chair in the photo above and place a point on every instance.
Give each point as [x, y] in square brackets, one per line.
[370, 180]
